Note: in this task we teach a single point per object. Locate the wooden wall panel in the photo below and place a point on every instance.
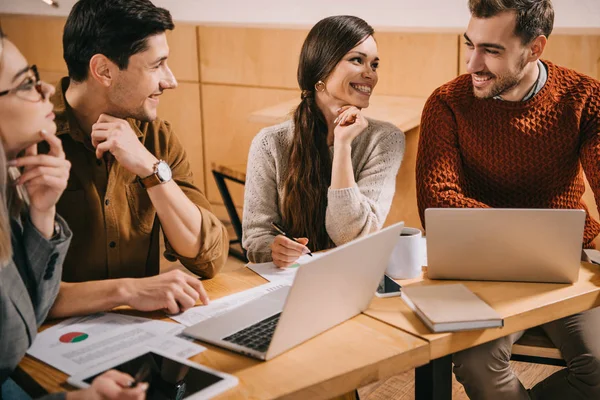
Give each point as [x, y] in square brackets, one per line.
[40, 41]
[51, 77]
[415, 64]
[404, 206]
[183, 56]
[578, 52]
[227, 131]
[261, 57]
[38, 38]
[181, 107]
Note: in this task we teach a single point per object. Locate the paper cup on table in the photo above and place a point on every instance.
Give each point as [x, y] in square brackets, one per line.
[406, 259]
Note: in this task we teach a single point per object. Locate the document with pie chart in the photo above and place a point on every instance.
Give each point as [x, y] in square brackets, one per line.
[77, 344]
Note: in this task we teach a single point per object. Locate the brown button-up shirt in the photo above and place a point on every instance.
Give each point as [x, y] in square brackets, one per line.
[115, 226]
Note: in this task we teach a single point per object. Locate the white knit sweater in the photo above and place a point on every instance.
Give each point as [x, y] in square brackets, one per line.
[352, 212]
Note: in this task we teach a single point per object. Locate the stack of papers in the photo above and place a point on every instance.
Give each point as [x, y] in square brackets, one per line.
[219, 306]
[78, 344]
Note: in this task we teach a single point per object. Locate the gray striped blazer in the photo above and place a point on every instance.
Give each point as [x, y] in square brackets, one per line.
[28, 286]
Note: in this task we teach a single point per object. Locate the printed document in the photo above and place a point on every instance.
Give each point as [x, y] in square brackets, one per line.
[81, 343]
[219, 306]
[272, 273]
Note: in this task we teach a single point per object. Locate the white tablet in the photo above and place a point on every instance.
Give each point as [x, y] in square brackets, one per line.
[170, 377]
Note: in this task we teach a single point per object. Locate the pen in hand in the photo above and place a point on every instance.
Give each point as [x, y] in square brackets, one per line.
[280, 229]
[141, 375]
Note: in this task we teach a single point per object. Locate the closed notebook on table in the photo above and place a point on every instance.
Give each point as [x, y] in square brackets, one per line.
[448, 308]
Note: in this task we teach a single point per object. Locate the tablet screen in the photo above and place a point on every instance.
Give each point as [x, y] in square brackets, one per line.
[168, 379]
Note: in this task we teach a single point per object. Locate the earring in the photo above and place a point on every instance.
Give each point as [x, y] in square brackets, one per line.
[320, 86]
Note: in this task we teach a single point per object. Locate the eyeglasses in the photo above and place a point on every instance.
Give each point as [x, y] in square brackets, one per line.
[31, 89]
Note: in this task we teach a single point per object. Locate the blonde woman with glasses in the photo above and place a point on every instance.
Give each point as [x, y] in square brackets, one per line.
[33, 238]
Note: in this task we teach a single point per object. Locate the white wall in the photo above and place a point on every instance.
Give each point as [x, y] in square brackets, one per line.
[379, 13]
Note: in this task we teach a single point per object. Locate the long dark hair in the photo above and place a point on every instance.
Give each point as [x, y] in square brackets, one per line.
[309, 168]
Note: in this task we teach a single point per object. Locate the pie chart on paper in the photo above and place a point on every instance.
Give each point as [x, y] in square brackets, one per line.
[73, 337]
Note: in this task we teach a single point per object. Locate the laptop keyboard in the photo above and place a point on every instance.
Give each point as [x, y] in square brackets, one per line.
[258, 336]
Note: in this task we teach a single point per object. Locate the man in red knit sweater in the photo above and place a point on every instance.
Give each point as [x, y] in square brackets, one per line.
[515, 132]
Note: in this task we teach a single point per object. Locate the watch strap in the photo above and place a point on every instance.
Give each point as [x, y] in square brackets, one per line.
[150, 181]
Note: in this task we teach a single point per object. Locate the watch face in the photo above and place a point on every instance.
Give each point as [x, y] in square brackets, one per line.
[164, 171]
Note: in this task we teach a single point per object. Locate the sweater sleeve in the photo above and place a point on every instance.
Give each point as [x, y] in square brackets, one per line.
[261, 205]
[359, 210]
[439, 173]
[590, 147]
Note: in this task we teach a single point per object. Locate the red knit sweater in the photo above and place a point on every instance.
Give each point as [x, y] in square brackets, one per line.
[494, 153]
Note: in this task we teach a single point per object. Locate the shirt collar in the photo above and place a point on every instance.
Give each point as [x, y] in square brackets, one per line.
[539, 83]
[65, 120]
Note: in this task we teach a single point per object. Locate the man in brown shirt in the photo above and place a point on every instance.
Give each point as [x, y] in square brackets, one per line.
[130, 175]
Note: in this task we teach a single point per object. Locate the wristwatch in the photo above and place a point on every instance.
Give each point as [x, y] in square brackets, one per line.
[162, 174]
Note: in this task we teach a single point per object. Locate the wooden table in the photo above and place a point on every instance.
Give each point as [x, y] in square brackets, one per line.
[350, 355]
[522, 305]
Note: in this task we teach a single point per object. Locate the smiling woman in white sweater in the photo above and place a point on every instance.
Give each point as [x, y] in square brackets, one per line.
[328, 175]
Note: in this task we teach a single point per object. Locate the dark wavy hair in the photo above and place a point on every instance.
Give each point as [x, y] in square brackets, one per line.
[117, 29]
[534, 17]
[309, 168]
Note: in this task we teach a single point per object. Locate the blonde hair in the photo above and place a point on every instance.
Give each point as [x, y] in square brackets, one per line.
[5, 242]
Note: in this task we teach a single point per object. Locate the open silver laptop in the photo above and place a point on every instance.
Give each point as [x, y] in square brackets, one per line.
[326, 292]
[522, 245]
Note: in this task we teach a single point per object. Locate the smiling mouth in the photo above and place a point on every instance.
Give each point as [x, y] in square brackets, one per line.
[154, 97]
[364, 89]
[481, 79]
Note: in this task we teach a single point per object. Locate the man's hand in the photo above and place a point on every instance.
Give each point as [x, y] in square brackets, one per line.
[174, 291]
[117, 137]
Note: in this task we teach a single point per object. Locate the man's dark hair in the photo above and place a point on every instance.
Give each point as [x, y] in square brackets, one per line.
[534, 17]
[117, 29]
